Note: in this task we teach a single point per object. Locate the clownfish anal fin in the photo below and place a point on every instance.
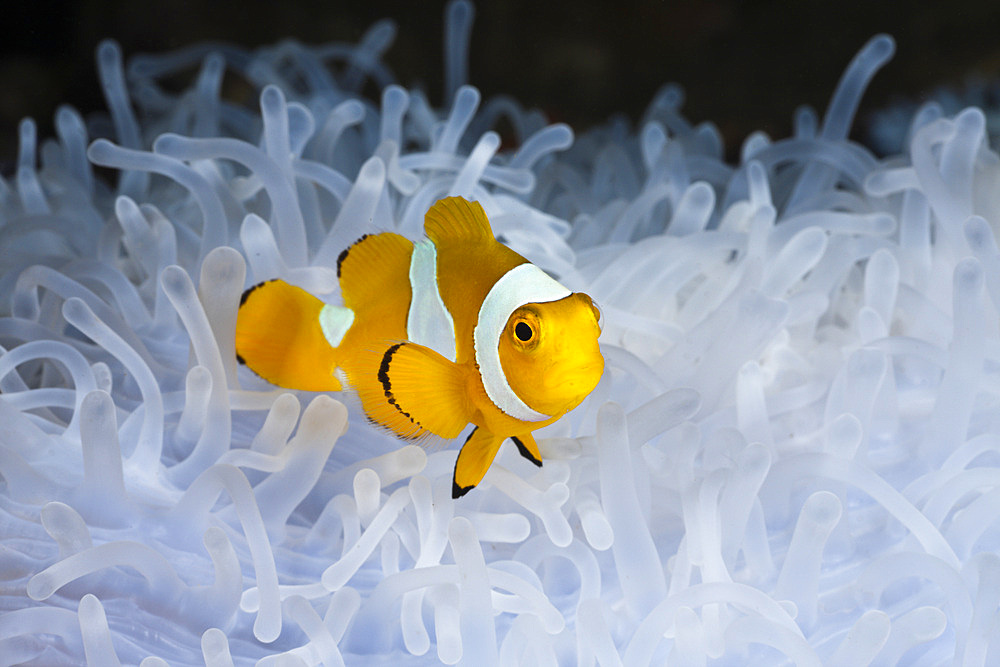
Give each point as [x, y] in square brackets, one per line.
[278, 335]
[528, 448]
[457, 219]
[415, 392]
[474, 460]
[375, 270]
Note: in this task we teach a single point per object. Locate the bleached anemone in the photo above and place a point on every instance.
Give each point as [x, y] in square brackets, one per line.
[793, 456]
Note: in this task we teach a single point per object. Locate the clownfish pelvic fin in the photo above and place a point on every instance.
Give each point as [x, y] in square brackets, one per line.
[528, 448]
[477, 454]
[474, 460]
[278, 335]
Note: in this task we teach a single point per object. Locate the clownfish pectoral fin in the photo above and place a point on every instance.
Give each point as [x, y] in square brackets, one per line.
[528, 448]
[278, 335]
[474, 460]
[374, 270]
[457, 219]
[416, 392]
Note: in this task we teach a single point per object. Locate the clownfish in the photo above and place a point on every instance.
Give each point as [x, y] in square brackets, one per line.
[454, 329]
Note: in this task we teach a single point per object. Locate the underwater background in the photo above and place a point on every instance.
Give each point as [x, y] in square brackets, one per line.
[793, 457]
[745, 66]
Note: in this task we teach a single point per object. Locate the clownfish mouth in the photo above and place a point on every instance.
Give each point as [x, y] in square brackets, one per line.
[591, 369]
[581, 379]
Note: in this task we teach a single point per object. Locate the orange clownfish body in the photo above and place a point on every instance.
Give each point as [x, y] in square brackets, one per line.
[434, 335]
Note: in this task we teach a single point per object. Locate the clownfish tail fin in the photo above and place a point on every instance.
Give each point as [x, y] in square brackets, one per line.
[457, 219]
[474, 460]
[279, 337]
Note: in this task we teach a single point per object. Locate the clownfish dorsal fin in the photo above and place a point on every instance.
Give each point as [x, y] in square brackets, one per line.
[278, 335]
[474, 459]
[375, 269]
[457, 219]
[416, 392]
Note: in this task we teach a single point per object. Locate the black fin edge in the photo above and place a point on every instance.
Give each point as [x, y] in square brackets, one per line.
[459, 491]
[243, 300]
[456, 490]
[343, 253]
[247, 291]
[524, 451]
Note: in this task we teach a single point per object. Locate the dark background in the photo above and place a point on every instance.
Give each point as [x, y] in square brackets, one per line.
[744, 65]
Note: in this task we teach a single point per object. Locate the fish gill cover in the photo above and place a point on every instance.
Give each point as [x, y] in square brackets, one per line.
[793, 456]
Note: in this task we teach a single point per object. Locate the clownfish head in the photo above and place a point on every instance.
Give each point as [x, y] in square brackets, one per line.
[549, 353]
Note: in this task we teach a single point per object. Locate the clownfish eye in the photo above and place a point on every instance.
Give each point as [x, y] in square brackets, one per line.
[523, 331]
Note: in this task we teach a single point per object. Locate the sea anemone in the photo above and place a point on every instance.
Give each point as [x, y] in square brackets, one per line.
[793, 455]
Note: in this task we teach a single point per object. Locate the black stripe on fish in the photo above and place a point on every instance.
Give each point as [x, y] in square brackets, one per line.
[383, 377]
